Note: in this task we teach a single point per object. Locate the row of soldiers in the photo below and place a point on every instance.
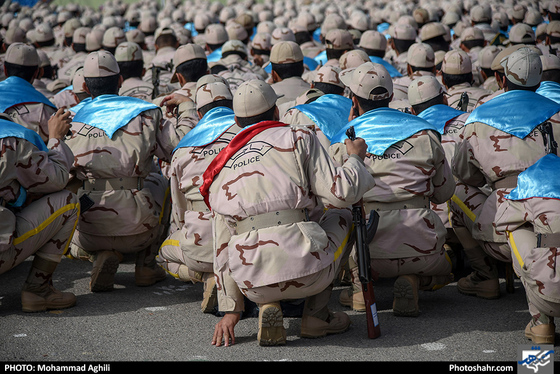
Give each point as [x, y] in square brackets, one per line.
[210, 142]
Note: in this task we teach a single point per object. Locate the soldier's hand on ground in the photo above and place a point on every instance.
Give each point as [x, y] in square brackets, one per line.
[357, 147]
[59, 124]
[224, 330]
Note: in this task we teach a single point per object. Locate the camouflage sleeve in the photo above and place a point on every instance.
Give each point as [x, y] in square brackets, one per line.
[230, 298]
[338, 186]
[41, 172]
[465, 165]
[443, 181]
[168, 135]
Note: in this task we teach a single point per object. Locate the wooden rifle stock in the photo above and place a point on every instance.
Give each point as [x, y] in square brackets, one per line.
[361, 230]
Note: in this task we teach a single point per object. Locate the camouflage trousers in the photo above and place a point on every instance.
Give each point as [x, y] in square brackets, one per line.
[171, 257]
[430, 265]
[466, 207]
[340, 239]
[537, 269]
[43, 228]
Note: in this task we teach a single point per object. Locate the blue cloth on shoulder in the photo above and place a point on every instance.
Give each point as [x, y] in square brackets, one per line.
[209, 128]
[111, 112]
[17, 91]
[329, 112]
[10, 129]
[515, 112]
[439, 115]
[542, 179]
[550, 90]
[383, 127]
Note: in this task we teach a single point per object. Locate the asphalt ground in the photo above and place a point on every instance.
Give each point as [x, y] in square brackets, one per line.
[163, 324]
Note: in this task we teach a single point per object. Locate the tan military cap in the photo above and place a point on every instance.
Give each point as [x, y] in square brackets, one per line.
[210, 78]
[423, 89]
[234, 45]
[44, 59]
[201, 21]
[404, 31]
[487, 55]
[22, 54]
[479, 14]
[550, 62]
[523, 67]
[367, 77]
[521, 33]
[329, 74]
[286, 52]
[456, 62]
[496, 63]
[78, 81]
[187, 52]
[14, 34]
[135, 36]
[518, 11]
[93, 41]
[211, 92]
[184, 53]
[472, 33]
[353, 59]
[421, 55]
[80, 35]
[148, 25]
[339, 39]
[252, 98]
[432, 30]
[236, 31]
[307, 20]
[553, 28]
[373, 39]
[100, 64]
[128, 51]
[262, 41]
[421, 15]
[216, 34]
[113, 36]
[282, 34]
[69, 27]
[43, 33]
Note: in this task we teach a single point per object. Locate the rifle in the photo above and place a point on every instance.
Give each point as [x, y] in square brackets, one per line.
[463, 102]
[548, 138]
[155, 80]
[364, 235]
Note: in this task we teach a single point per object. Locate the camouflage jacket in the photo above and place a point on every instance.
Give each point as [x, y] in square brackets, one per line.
[128, 154]
[23, 164]
[280, 169]
[414, 167]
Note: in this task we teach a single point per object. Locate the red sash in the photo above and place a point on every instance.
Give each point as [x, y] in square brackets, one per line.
[238, 141]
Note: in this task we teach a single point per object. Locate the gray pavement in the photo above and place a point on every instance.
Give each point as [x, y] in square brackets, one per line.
[164, 323]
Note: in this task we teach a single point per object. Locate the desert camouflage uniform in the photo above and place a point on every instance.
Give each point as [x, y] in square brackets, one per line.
[131, 218]
[487, 162]
[34, 116]
[408, 240]
[535, 263]
[287, 261]
[49, 206]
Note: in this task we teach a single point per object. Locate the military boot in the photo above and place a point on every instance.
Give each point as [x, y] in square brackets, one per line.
[105, 265]
[38, 293]
[318, 321]
[146, 271]
[271, 325]
[210, 294]
[540, 333]
[405, 296]
[483, 282]
[353, 297]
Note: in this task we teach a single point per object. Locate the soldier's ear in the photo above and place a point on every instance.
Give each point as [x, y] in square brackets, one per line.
[121, 80]
[86, 89]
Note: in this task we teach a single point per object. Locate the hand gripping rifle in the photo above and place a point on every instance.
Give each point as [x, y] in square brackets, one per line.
[364, 235]
[548, 137]
[463, 104]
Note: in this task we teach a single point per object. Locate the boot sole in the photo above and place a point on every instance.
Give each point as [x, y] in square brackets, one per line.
[104, 279]
[405, 302]
[479, 293]
[271, 331]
